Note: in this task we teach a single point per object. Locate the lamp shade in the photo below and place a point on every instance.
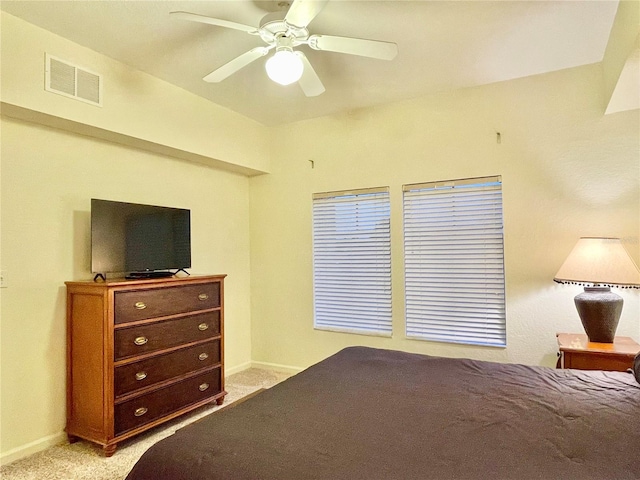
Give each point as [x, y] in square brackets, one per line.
[599, 261]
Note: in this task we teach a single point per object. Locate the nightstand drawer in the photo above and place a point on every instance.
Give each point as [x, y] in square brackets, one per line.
[133, 376]
[592, 361]
[130, 306]
[147, 408]
[150, 337]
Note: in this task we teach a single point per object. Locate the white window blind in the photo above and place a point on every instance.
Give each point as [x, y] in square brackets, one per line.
[454, 261]
[352, 261]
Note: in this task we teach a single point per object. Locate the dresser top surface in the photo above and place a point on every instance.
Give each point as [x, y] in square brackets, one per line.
[117, 282]
[580, 343]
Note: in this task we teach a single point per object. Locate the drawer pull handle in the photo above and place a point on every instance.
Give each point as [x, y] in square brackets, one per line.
[203, 387]
[140, 340]
[141, 376]
[203, 296]
[140, 305]
[203, 356]
[140, 411]
[202, 327]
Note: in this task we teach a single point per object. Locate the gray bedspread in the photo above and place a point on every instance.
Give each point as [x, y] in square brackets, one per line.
[368, 414]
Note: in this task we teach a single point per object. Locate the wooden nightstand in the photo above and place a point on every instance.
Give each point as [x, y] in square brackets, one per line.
[576, 351]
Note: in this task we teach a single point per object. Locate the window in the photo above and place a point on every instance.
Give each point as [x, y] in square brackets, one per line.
[454, 261]
[352, 261]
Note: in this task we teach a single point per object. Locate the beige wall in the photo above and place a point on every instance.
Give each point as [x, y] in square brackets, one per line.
[48, 179]
[567, 170]
[137, 107]
[620, 63]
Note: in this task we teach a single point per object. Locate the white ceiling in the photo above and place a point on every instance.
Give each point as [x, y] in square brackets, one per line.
[442, 45]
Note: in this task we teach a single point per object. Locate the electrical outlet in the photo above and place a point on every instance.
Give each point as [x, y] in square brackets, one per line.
[3, 279]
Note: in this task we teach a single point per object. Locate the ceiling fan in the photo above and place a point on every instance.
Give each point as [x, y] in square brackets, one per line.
[287, 65]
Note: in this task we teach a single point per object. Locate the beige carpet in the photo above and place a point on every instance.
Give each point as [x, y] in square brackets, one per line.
[85, 461]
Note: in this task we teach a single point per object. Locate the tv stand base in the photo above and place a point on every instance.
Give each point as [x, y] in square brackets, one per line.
[151, 274]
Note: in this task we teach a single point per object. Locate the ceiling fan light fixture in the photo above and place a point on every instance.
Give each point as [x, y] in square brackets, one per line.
[284, 67]
[283, 31]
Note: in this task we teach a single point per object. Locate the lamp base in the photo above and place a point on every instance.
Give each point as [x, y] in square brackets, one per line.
[599, 309]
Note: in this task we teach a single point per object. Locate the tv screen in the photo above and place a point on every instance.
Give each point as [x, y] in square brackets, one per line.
[135, 238]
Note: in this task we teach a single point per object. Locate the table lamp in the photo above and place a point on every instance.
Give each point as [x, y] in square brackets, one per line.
[598, 264]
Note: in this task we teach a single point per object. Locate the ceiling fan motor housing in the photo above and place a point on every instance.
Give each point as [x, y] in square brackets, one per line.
[273, 25]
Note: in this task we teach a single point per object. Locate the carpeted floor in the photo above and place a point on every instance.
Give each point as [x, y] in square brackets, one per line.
[85, 461]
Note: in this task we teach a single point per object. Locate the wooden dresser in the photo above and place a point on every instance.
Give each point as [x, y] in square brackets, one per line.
[141, 352]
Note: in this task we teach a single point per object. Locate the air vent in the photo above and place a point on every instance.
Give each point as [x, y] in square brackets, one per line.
[72, 81]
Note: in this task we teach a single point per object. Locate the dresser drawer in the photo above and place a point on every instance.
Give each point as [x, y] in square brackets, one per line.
[135, 305]
[152, 406]
[133, 376]
[169, 333]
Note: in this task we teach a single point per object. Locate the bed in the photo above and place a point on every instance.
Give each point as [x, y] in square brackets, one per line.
[367, 413]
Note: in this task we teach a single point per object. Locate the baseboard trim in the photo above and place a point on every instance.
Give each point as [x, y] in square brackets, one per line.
[237, 368]
[32, 447]
[277, 367]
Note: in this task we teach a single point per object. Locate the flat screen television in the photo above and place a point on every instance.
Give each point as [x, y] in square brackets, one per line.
[142, 241]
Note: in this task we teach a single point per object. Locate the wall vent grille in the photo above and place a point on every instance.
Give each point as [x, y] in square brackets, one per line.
[72, 81]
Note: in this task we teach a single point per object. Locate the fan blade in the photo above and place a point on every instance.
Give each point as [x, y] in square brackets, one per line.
[354, 46]
[236, 64]
[301, 12]
[309, 82]
[194, 17]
